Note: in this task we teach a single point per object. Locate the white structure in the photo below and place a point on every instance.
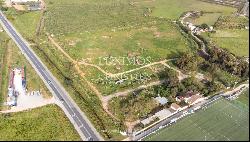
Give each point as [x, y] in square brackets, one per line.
[17, 82]
[23, 1]
[186, 96]
[190, 26]
[161, 100]
[10, 92]
[177, 108]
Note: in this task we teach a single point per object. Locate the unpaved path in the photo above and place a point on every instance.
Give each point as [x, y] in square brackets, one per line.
[181, 76]
[129, 71]
[41, 21]
[106, 99]
[79, 71]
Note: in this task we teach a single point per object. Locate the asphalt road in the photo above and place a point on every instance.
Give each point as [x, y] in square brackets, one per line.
[55, 87]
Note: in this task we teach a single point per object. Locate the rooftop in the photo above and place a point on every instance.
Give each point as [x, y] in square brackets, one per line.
[175, 106]
[194, 98]
[161, 100]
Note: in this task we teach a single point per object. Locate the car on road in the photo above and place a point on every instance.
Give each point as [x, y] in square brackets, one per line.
[49, 82]
[90, 139]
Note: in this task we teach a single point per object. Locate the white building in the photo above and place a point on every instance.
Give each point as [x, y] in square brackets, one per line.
[161, 100]
[18, 82]
[23, 1]
[175, 107]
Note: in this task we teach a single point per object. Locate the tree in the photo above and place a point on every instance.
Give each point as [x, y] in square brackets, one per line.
[204, 26]
[188, 61]
[170, 75]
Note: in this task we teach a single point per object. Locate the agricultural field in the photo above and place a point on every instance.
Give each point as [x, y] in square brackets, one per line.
[222, 121]
[208, 18]
[25, 22]
[41, 124]
[231, 35]
[244, 97]
[100, 33]
[177, 7]
[236, 41]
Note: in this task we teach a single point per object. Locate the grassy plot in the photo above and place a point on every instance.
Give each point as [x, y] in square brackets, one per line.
[108, 35]
[120, 31]
[91, 15]
[3, 67]
[234, 40]
[244, 97]
[221, 121]
[25, 22]
[80, 92]
[231, 34]
[154, 42]
[174, 8]
[107, 84]
[208, 18]
[44, 123]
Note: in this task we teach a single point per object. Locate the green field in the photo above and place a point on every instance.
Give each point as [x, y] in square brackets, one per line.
[25, 22]
[236, 41]
[47, 123]
[231, 34]
[222, 121]
[244, 97]
[112, 28]
[3, 67]
[208, 18]
[174, 8]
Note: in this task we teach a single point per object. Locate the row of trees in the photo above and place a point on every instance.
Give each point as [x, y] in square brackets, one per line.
[189, 62]
[228, 62]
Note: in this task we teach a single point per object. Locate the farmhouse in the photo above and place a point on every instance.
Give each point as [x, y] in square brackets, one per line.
[195, 99]
[175, 107]
[185, 97]
[190, 97]
[31, 4]
[23, 1]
